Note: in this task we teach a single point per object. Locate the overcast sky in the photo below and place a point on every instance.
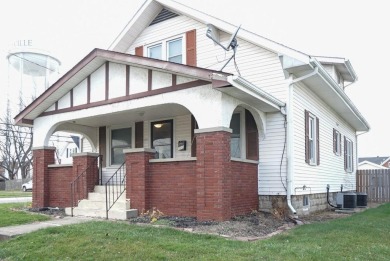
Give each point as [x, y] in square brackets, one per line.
[356, 30]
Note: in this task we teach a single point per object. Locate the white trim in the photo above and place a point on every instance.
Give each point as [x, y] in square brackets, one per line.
[164, 47]
[148, 150]
[59, 165]
[172, 160]
[109, 130]
[94, 154]
[245, 160]
[215, 129]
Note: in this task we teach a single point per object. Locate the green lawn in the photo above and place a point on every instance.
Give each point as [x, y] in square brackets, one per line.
[11, 214]
[13, 194]
[363, 236]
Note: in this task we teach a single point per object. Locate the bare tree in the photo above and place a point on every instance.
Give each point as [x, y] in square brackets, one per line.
[15, 146]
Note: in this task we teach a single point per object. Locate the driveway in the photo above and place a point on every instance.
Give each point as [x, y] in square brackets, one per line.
[15, 200]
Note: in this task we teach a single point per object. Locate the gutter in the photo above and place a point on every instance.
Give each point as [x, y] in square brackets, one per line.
[290, 135]
[232, 79]
[314, 63]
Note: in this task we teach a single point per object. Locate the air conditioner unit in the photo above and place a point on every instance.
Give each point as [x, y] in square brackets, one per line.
[361, 199]
[346, 200]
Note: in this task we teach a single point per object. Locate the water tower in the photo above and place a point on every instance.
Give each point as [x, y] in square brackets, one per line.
[31, 71]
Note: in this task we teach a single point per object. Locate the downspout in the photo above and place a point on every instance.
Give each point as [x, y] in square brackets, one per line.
[290, 135]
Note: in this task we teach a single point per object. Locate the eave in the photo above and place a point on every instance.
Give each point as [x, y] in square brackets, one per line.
[325, 87]
[239, 88]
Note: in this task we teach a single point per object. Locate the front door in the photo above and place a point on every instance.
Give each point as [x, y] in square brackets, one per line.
[120, 140]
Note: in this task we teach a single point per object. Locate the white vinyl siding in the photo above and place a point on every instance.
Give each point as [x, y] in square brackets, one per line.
[182, 131]
[331, 170]
[256, 64]
[272, 169]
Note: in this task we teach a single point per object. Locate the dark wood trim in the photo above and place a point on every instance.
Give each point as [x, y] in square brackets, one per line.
[139, 134]
[220, 83]
[150, 78]
[71, 98]
[26, 121]
[89, 89]
[127, 80]
[174, 79]
[107, 86]
[56, 106]
[102, 144]
[194, 126]
[178, 87]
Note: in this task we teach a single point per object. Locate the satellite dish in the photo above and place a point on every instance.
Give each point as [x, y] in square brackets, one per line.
[212, 33]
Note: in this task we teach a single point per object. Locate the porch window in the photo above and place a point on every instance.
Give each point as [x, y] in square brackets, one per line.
[162, 138]
[235, 143]
[120, 140]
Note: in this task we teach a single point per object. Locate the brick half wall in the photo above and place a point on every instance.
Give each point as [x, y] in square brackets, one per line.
[245, 198]
[60, 178]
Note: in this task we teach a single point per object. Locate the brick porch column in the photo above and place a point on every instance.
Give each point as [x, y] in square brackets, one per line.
[82, 161]
[213, 174]
[137, 181]
[42, 157]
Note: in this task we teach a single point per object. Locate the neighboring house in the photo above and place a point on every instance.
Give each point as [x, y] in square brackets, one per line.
[381, 161]
[274, 127]
[370, 165]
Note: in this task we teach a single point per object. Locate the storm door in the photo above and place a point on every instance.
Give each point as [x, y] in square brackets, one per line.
[120, 140]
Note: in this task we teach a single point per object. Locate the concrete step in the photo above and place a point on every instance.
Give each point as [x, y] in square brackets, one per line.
[91, 204]
[102, 188]
[102, 196]
[101, 213]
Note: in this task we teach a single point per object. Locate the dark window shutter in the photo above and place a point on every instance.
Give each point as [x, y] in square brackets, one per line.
[191, 47]
[345, 153]
[352, 165]
[139, 134]
[252, 137]
[102, 144]
[318, 140]
[307, 160]
[139, 51]
[194, 125]
[334, 141]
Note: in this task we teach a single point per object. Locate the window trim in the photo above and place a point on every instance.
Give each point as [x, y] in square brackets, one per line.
[336, 142]
[315, 151]
[164, 47]
[348, 155]
[109, 130]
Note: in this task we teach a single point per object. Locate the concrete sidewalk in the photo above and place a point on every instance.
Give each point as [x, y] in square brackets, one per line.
[11, 231]
[15, 200]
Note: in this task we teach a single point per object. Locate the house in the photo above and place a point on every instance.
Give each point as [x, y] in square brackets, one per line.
[271, 130]
[374, 162]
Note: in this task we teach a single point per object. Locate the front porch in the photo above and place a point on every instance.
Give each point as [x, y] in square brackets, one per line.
[210, 186]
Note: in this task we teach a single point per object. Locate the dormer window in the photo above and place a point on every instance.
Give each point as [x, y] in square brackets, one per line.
[170, 50]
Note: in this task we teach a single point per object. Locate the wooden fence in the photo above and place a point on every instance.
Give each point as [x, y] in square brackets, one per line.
[374, 182]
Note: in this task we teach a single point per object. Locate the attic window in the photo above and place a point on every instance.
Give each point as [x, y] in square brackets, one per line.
[162, 16]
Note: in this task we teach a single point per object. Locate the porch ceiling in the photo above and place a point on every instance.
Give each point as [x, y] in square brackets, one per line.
[143, 114]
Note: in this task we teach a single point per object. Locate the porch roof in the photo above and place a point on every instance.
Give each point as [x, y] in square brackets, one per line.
[90, 63]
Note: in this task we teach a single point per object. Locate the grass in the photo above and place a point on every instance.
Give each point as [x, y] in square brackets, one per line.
[363, 236]
[13, 194]
[11, 214]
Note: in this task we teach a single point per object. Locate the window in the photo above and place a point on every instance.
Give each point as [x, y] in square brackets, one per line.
[175, 51]
[336, 142]
[348, 154]
[305, 202]
[244, 142]
[155, 51]
[235, 143]
[312, 142]
[162, 138]
[120, 140]
[170, 50]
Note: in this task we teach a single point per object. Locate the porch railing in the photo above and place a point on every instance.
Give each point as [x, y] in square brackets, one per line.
[78, 187]
[115, 186]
